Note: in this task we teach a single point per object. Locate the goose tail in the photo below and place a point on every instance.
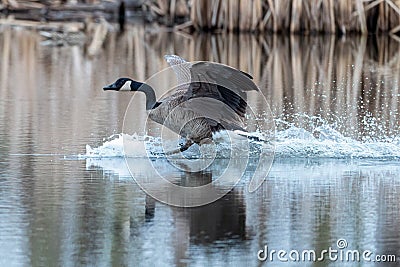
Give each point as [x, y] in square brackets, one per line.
[254, 136]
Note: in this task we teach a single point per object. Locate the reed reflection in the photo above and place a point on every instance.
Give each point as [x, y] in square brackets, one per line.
[346, 81]
[349, 82]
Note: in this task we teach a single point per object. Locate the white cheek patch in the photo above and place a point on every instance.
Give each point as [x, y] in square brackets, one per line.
[126, 86]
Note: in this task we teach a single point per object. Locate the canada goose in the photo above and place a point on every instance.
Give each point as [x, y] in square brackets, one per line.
[211, 97]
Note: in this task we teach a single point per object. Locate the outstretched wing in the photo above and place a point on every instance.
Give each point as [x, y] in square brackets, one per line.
[181, 68]
[222, 83]
[204, 85]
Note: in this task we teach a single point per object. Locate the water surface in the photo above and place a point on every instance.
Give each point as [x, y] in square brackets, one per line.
[336, 175]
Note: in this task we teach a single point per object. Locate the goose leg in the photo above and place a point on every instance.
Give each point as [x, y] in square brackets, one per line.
[183, 147]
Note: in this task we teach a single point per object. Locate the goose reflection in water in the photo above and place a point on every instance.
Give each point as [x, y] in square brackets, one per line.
[222, 220]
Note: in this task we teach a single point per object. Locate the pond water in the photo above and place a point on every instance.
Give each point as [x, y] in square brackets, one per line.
[67, 196]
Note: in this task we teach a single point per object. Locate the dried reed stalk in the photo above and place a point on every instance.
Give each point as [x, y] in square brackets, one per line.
[328, 16]
[296, 16]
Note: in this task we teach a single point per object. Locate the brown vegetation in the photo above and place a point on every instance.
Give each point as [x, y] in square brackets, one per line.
[59, 10]
[296, 16]
[311, 16]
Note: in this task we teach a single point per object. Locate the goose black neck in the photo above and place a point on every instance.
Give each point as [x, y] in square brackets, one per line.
[149, 92]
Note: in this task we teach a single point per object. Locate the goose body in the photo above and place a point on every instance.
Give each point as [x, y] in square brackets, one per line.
[210, 97]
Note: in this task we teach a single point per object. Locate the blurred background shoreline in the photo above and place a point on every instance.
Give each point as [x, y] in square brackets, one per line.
[258, 16]
[336, 105]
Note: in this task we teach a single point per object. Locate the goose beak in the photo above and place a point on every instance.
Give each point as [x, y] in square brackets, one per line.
[110, 87]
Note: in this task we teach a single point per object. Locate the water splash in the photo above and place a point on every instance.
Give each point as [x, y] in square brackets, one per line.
[230, 145]
[313, 138]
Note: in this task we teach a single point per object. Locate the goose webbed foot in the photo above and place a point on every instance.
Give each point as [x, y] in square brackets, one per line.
[183, 147]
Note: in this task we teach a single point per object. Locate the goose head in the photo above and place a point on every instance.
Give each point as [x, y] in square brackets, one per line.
[127, 84]
[122, 84]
